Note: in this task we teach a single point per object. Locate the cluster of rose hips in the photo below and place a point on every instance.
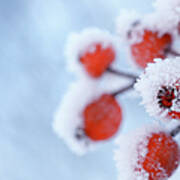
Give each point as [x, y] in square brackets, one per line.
[103, 116]
[94, 52]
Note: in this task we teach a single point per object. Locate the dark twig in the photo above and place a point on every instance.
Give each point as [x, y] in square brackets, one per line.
[123, 74]
[124, 89]
[173, 52]
[175, 131]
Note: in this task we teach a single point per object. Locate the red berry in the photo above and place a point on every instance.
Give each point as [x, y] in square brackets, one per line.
[102, 118]
[162, 157]
[98, 61]
[151, 46]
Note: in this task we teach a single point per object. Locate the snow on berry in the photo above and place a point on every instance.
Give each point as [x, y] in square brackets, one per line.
[130, 25]
[159, 87]
[170, 9]
[167, 5]
[146, 37]
[162, 157]
[125, 23]
[68, 119]
[86, 102]
[173, 5]
[148, 154]
[91, 52]
[151, 46]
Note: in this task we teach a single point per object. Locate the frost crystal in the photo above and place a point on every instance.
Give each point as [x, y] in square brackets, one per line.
[169, 8]
[159, 87]
[132, 149]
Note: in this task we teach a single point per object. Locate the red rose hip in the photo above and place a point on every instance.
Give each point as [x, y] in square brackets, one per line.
[96, 62]
[102, 118]
[151, 46]
[162, 156]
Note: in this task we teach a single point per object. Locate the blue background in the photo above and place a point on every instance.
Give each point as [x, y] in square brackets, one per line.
[33, 80]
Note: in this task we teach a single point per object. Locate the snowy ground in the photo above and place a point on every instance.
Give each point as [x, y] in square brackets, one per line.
[33, 80]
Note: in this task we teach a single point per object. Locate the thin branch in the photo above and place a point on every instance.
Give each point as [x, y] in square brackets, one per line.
[175, 131]
[123, 74]
[124, 89]
[172, 52]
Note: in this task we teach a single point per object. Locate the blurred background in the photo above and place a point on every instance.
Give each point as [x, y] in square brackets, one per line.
[33, 80]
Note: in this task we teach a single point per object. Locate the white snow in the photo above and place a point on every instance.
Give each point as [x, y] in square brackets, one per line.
[167, 6]
[125, 22]
[68, 116]
[168, 12]
[161, 73]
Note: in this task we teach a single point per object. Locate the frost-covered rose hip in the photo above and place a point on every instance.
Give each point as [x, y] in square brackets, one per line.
[102, 118]
[162, 156]
[149, 153]
[98, 60]
[159, 87]
[68, 121]
[152, 45]
[91, 52]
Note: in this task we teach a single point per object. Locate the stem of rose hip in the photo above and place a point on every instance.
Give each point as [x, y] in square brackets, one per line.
[122, 74]
[124, 89]
[175, 131]
[172, 52]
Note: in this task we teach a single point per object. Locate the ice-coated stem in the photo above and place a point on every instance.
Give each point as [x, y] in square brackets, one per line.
[175, 131]
[122, 74]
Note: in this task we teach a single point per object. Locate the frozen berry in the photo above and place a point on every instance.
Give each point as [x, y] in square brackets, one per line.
[98, 60]
[162, 156]
[159, 86]
[151, 46]
[102, 118]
